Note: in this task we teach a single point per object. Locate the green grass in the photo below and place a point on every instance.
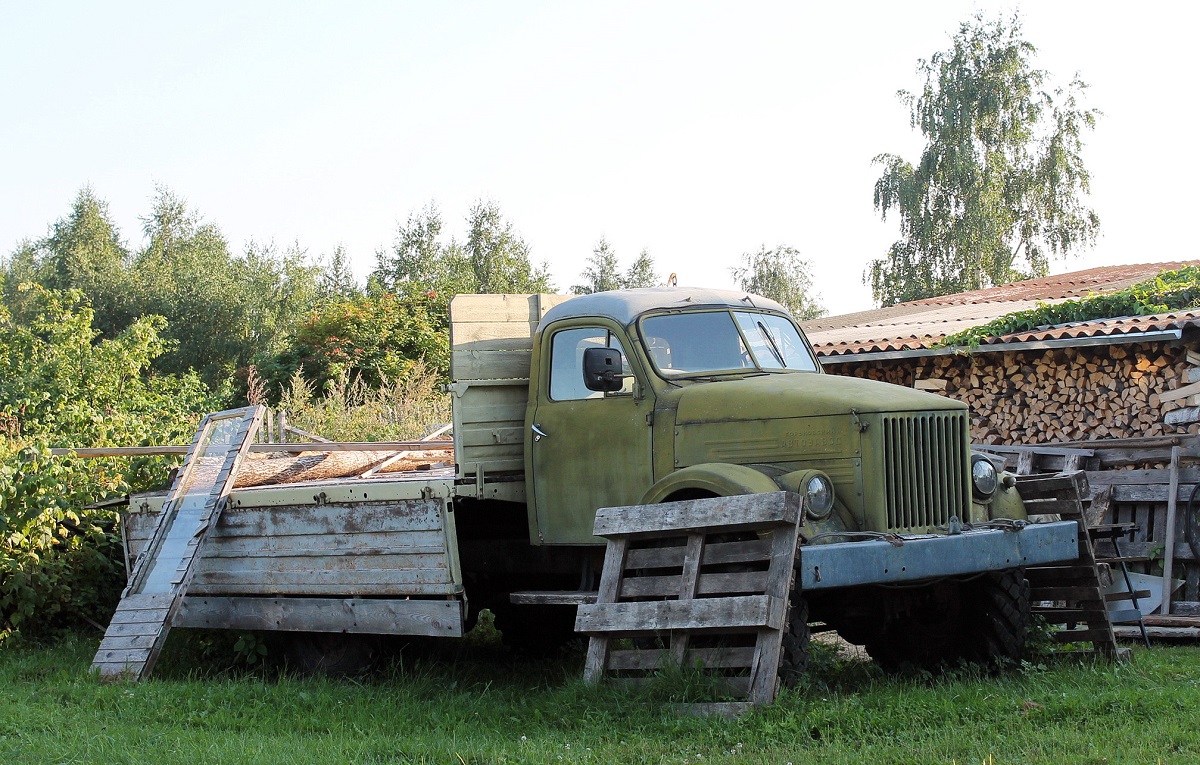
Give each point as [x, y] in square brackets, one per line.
[477, 704]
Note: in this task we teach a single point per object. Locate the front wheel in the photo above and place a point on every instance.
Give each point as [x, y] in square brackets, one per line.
[794, 653]
[999, 615]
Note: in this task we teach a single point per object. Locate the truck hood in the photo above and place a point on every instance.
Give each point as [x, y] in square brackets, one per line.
[799, 395]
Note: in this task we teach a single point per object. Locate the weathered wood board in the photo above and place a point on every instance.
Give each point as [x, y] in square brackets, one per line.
[383, 548]
[431, 618]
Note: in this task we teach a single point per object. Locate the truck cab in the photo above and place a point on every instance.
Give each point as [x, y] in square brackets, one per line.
[719, 393]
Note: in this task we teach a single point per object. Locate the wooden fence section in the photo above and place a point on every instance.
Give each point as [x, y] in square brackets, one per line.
[1147, 482]
[701, 583]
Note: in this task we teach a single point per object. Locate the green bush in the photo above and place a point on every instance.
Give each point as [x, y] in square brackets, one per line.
[375, 339]
[61, 386]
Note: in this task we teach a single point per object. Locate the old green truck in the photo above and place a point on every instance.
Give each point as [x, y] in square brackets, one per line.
[910, 544]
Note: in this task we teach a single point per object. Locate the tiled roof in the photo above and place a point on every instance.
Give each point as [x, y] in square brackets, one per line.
[920, 324]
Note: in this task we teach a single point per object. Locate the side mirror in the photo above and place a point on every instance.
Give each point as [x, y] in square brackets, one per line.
[602, 369]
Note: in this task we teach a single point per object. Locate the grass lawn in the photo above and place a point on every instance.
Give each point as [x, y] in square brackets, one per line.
[479, 704]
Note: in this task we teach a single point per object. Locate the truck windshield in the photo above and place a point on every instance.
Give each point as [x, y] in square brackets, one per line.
[703, 342]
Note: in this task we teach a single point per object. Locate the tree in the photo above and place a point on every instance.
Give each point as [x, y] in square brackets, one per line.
[641, 273]
[782, 275]
[602, 272]
[499, 257]
[421, 265]
[83, 251]
[336, 280]
[998, 188]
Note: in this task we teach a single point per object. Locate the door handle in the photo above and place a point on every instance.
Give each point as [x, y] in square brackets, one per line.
[538, 433]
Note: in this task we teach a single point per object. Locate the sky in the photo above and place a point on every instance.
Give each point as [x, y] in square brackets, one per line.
[696, 130]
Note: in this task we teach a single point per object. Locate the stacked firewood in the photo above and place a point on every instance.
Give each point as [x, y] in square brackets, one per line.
[1062, 394]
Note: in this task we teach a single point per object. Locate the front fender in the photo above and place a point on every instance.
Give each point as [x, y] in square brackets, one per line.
[720, 479]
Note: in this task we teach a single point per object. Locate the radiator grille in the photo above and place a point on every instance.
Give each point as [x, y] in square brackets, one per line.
[925, 468]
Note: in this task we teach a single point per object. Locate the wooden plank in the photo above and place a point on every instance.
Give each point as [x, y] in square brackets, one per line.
[1025, 463]
[1094, 636]
[144, 616]
[1153, 493]
[748, 551]
[302, 580]
[119, 669]
[726, 513]
[1178, 393]
[552, 597]
[1036, 506]
[1147, 551]
[610, 584]
[366, 585]
[434, 618]
[1063, 593]
[245, 542]
[144, 601]
[708, 584]
[655, 658]
[1169, 536]
[1159, 633]
[1142, 476]
[493, 335]
[507, 307]
[686, 587]
[1032, 449]
[421, 559]
[144, 641]
[490, 365]
[122, 657]
[734, 612]
[1052, 486]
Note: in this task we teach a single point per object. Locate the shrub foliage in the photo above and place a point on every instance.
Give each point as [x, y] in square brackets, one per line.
[60, 385]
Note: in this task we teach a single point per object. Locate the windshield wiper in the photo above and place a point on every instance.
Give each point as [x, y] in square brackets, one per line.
[771, 342]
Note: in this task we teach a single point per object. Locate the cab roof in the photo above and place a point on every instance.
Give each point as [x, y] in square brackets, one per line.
[624, 306]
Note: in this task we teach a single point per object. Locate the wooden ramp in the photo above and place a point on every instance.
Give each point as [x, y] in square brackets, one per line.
[699, 584]
[1070, 596]
[160, 577]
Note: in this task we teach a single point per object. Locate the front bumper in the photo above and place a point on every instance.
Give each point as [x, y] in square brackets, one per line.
[907, 559]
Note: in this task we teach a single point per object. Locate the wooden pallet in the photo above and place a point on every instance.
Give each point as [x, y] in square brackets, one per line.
[160, 577]
[1070, 596]
[698, 584]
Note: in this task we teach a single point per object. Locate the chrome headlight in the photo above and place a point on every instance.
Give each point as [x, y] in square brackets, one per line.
[984, 478]
[818, 496]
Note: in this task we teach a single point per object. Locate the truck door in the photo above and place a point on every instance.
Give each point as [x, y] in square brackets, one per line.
[588, 449]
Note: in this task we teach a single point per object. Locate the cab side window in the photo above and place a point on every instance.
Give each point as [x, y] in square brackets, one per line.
[566, 362]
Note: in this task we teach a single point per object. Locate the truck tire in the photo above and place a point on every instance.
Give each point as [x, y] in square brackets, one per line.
[999, 617]
[793, 654]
